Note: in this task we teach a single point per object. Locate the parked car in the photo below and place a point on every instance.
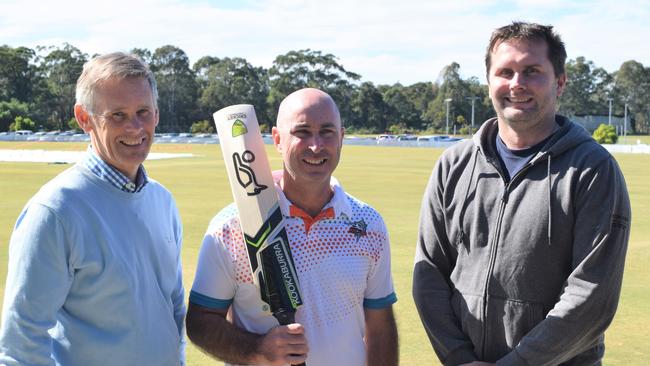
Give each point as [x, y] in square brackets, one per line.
[433, 138]
[385, 137]
[35, 136]
[438, 138]
[7, 136]
[406, 138]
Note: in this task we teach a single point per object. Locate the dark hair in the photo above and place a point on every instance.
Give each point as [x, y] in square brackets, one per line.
[529, 32]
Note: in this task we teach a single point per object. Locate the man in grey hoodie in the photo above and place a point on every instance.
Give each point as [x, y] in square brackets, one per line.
[523, 230]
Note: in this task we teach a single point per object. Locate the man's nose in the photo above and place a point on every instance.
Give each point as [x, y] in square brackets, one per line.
[316, 143]
[518, 81]
[135, 122]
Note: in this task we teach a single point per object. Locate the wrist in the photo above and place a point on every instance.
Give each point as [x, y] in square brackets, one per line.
[257, 357]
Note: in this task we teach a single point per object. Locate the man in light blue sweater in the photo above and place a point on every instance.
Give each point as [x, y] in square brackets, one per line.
[94, 273]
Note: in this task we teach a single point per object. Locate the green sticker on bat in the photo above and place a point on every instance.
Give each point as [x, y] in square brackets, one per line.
[238, 128]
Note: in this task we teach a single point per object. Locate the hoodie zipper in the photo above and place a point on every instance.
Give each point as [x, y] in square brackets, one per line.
[493, 255]
[495, 241]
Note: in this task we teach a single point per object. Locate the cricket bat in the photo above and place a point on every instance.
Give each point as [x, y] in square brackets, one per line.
[262, 224]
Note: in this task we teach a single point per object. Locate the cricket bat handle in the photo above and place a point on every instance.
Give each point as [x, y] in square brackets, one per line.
[289, 318]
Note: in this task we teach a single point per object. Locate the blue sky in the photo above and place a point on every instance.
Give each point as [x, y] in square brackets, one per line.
[386, 41]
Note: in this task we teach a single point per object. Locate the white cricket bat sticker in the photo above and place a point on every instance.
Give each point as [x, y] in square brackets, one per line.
[261, 220]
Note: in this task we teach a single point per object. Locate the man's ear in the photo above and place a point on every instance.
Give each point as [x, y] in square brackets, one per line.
[561, 84]
[275, 133]
[83, 118]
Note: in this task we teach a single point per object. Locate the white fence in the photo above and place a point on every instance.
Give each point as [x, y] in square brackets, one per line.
[628, 149]
[349, 140]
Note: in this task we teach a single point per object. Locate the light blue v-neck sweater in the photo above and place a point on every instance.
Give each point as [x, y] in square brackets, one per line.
[94, 277]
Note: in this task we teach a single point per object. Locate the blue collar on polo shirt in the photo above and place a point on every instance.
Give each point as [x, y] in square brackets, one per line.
[106, 172]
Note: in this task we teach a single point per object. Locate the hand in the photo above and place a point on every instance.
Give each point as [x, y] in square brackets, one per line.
[284, 344]
[478, 363]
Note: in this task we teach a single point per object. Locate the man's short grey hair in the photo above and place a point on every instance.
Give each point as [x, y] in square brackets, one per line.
[112, 65]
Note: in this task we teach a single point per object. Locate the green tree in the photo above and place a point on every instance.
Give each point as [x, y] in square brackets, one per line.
[421, 95]
[177, 88]
[60, 68]
[368, 109]
[605, 134]
[398, 128]
[74, 125]
[483, 109]
[586, 90]
[227, 81]
[451, 86]
[461, 92]
[306, 68]
[143, 53]
[23, 123]
[632, 87]
[401, 108]
[17, 73]
[203, 126]
[460, 120]
[11, 109]
[22, 82]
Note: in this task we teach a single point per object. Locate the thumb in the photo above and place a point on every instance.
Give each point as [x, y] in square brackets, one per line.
[295, 328]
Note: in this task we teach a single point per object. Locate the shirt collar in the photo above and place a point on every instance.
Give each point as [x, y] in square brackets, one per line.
[338, 203]
[93, 162]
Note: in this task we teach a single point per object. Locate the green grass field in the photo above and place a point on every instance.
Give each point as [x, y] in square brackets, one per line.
[392, 180]
[634, 139]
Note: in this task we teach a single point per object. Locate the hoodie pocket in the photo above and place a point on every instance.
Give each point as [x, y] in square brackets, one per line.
[467, 309]
[508, 321]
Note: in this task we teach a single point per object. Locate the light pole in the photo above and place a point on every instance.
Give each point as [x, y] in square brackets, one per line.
[610, 111]
[447, 103]
[625, 123]
[472, 99]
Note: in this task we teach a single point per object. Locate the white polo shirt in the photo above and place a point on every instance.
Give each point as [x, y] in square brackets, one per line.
[343, 261]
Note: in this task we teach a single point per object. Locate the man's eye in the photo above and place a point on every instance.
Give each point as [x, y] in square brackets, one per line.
[118, 116]
[505, 73]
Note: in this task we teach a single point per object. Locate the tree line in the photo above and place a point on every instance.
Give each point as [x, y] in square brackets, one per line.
[37, 88]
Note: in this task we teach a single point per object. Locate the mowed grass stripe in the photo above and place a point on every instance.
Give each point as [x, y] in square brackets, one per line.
[391, 179]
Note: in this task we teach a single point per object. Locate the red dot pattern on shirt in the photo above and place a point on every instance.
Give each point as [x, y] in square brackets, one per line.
[232, 238]
[333, 264]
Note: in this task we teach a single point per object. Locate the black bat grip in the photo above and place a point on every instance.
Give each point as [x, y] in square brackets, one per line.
[285, 318]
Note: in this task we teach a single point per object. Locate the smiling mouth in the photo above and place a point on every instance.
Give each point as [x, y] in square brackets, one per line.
[315, 162]
[518, 100]
[133, 141]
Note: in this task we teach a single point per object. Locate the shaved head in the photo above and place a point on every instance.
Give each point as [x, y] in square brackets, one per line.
[309, 136]
[308, 101]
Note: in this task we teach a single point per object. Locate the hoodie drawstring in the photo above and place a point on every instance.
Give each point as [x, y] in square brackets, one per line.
[464, 206]
[550, 198]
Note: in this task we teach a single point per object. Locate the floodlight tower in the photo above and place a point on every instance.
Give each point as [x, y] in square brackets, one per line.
[610, 111]
[472, 99]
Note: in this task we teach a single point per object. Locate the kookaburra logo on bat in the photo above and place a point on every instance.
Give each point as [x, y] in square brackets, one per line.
[245, 174]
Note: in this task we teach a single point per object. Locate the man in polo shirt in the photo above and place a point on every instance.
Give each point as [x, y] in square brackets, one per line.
[340, 248]
[94, 271]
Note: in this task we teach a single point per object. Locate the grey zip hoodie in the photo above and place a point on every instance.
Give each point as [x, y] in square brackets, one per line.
[526, 272]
